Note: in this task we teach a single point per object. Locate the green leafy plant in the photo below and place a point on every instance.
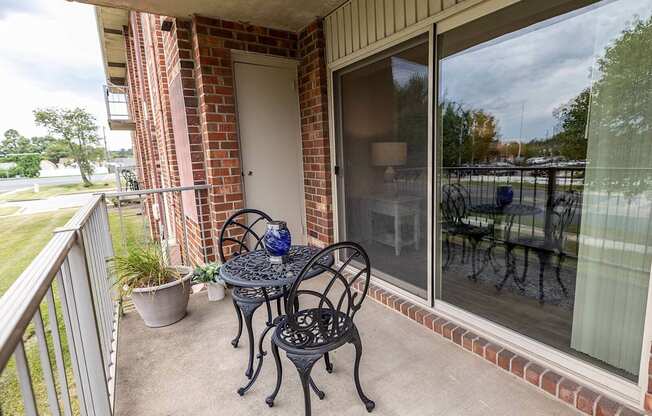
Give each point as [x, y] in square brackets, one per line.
[143, 266]
[209, 273]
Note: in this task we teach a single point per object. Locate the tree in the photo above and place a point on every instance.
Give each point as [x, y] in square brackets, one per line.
[411, 100]
[77, 129]
[56, 150]
[573, 117]
[15, 142]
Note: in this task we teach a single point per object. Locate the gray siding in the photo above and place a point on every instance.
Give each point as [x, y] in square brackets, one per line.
[360, 23]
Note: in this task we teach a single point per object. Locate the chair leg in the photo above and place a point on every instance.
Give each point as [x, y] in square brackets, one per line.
[526, 263]
[474, 273]
[560, 260]
[329, 365]
[248, 310]
[509, 269]
[542, 267]
[357, 343]
[447, 247]
[235, 340]
[316, 389]
[463, 251]
[279, 376]
[278, 307]
[304, 363]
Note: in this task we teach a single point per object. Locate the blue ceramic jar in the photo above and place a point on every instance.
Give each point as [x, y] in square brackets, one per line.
[277, 241]
[504, 195]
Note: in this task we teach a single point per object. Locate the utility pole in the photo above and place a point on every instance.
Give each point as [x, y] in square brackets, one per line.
[106, 148]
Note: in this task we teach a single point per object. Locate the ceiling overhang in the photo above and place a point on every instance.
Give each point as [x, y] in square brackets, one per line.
[113, 16]
[291, 15]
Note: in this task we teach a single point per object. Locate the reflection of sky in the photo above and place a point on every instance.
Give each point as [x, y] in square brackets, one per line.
[403, 70]
[536, 70]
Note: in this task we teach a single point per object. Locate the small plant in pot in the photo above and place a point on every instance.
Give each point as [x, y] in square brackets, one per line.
[160, 292]
[209, 274]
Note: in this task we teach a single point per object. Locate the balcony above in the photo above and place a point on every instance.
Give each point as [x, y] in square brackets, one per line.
[117, 108]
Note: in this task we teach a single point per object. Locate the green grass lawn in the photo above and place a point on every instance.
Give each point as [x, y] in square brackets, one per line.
[48, 191]
[21, 239]
[4, 211]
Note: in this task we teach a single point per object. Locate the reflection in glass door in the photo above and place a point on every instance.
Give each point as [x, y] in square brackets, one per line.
[382, 115]
[545, 143]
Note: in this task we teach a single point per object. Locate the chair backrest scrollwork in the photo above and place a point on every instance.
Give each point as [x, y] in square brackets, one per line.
[239, 234]
[334, 304]
[455, 201]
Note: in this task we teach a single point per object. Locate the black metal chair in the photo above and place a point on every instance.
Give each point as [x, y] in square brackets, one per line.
[561, 212]
[318, 322]
[455, 205]
[131, 182]
[239, 235]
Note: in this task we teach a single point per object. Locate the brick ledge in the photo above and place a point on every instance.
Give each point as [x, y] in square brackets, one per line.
[570, 392]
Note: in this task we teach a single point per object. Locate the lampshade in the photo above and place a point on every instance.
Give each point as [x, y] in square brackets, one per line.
[389, 153]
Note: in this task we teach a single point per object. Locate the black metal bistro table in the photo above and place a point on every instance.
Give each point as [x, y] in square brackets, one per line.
[254, 270]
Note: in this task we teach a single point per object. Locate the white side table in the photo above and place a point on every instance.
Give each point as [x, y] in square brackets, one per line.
[403, 209]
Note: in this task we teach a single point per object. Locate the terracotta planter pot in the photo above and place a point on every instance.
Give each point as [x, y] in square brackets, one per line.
[165, 304]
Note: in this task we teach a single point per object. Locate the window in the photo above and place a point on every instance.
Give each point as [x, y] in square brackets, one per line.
[382, 115]
[545, 191]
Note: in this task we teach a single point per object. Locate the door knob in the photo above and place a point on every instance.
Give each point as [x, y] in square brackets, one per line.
[250, 173]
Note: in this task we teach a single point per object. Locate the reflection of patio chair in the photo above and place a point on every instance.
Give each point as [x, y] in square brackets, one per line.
[562, 212]
[131, 182]
[456, 201]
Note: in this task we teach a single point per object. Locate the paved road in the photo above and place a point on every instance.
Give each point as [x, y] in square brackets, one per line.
[12, 184]
[50, 204]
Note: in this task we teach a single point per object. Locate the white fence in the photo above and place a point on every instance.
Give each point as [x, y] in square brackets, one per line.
[71, 269]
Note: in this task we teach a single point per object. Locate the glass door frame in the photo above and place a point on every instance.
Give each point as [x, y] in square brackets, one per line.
[564, 364]
[403, 41]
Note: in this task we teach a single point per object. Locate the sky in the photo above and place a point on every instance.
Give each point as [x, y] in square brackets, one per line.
[50, 56]
[532, 72]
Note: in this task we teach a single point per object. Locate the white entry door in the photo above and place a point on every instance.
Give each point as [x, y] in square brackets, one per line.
[270, 139]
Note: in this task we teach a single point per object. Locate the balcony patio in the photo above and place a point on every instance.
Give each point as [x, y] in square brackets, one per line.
[191, 368]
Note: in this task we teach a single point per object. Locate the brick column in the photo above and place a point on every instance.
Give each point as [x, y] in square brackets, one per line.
[186, 127]
[313, 102]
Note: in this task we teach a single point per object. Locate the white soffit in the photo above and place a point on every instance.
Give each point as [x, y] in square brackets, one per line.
[110, 25]
[291, 15]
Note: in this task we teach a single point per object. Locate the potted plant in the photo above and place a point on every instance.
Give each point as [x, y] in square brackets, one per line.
[160, 292]
[209, 274]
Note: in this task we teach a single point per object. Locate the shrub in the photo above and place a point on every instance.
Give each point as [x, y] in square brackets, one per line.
[28, 165]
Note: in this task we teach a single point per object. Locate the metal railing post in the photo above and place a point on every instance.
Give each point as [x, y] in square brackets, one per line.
[87, 338]
[550, 201]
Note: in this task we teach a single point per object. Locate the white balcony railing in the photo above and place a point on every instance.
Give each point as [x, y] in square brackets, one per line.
[71, 276]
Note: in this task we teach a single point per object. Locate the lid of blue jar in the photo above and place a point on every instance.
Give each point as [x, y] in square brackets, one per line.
[277, 225]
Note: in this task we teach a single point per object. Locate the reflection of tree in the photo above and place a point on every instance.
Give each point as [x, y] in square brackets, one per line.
[571, 141]
[468, 136]
[620, 121]
[412, 118]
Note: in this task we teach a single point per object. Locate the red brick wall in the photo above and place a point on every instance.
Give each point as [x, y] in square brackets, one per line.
[193, 132]
[144, 140]
[313, 103]
[213, 40]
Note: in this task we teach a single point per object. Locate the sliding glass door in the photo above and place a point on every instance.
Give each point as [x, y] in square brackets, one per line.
[382, 144]
[544, 146]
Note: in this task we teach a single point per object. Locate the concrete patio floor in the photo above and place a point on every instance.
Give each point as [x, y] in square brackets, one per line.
[190, 368]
